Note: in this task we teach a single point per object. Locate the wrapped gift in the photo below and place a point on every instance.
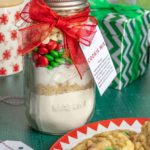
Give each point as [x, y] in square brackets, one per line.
[125, 29]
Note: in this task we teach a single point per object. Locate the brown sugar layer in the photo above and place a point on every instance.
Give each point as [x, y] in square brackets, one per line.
[60, 88]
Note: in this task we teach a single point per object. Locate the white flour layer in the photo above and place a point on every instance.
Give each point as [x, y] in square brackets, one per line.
[60, 75]
[63, 112]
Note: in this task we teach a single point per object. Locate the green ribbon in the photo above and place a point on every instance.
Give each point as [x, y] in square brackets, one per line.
[130, 12]
[106, 8]
[94, 3]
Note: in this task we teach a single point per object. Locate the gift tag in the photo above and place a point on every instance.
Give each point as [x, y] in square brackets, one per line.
[14, 145]
[100, 62]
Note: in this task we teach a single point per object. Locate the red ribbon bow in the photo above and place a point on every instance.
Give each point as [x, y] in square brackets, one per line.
[76, 28]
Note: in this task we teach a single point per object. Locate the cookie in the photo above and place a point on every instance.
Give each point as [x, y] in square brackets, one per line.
[111, 140]
[142, 140]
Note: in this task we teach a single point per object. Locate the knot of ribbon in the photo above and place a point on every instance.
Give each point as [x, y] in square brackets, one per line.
[75, 28]
[60, 24]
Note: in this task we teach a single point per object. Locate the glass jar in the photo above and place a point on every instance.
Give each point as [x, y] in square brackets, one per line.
[58, 100]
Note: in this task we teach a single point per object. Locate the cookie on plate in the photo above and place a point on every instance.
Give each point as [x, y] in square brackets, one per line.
[111, 140]
[142, 140]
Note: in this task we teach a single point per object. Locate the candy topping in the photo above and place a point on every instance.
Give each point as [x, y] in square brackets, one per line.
[50, 55]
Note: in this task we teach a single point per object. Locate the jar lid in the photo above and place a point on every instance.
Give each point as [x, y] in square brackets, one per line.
[67, 4]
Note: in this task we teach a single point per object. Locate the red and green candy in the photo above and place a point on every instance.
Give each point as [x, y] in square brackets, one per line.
[50, 55]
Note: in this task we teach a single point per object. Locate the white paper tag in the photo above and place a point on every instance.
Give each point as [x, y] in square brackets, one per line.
[14, 145]
[100, 62]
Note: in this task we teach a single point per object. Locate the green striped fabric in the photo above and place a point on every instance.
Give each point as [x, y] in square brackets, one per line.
[127, 41]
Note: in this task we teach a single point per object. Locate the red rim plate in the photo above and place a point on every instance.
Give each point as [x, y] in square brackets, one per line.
[88, 130]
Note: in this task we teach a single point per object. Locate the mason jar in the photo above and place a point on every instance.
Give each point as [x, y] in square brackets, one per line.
[58, 99]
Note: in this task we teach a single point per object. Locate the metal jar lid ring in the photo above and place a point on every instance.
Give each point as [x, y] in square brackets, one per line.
[67, 4]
